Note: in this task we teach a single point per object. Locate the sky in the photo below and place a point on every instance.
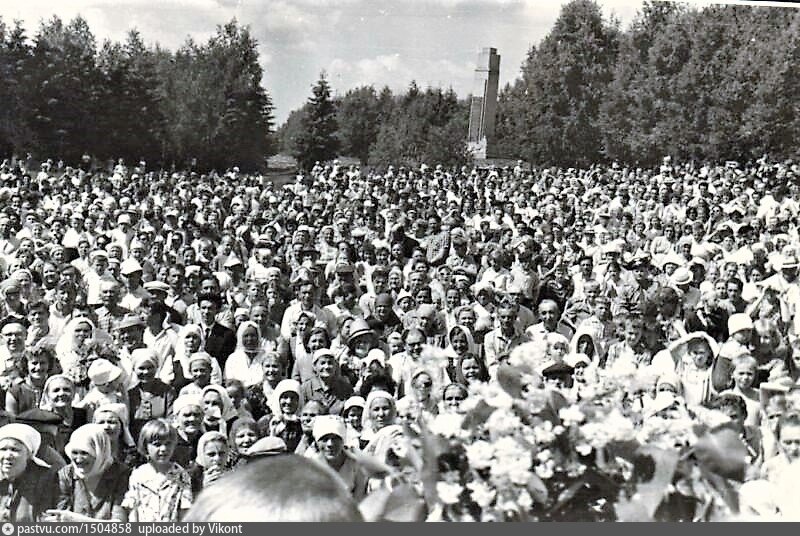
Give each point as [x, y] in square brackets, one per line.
[357, 42]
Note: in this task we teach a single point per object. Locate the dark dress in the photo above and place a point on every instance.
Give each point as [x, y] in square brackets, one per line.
[154, 403]
[111, 489]
[27, 498]
[185, 451]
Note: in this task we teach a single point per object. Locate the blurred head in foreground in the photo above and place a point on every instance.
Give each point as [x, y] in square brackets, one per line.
[278, 488]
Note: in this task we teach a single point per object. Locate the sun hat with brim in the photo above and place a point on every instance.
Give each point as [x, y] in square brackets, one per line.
[788, 262]
[681, 277]
[28, 436]
[663, 400]
[678, 348]
[354, 402]
[323, 352]
[775, 386]
[739, 322]
[359, 328]
[102, 371]
[328, 425]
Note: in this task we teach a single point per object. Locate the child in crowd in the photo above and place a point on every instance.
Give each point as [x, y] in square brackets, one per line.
[160, 490]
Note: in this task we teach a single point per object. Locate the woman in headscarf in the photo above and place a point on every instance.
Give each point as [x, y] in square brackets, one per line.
[246, 362]
[28, 487]
[75, 348]
[114, 420]
[11, 304]
[378, 426]
[423, 384]
[92, 486]
[150, 398]
[460, 345]
[58, 395]
[187, 417]
[191, 340]
[213, 459]
[218, 408]
[286, 404]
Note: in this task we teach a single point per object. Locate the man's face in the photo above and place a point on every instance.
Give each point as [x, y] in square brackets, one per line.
[208, 311]
[414, 343]
[507, 316]
[108, 295]
[548, 313]
[14, 336]
[209, 286]
[306, 295]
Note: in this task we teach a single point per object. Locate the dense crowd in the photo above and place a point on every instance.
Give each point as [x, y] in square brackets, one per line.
[162, 330]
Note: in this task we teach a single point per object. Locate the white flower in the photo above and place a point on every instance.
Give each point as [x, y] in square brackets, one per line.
[544, 433]
[479, 454]
[448, 425]
[502, 423]
[583, 449]
[511, 461]
[481, 493]
[544, 455]
[525, 500]
[571, 415]
[449, 493]
[545, 470]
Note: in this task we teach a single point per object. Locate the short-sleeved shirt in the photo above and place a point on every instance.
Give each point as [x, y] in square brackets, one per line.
[158, 496]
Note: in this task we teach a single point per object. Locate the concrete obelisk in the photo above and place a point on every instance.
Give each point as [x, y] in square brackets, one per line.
[483, 106]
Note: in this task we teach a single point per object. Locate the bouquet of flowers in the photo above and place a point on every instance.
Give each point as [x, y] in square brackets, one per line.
[523, 450]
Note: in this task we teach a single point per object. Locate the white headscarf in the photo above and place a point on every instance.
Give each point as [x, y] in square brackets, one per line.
[205, 439]
[91, 438]
[28, 436]
[121, 412]
[285, 386]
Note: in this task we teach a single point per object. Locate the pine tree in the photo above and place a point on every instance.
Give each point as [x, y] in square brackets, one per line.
[317, 140]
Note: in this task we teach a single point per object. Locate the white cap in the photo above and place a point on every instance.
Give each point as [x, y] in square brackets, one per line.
[327, 425]
[739, 322]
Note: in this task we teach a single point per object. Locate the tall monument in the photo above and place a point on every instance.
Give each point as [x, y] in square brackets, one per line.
[483, 107]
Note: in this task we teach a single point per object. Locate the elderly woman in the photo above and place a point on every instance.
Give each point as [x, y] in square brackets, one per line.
[218, 409]
[28, 487]
[258, 395]
[190, 341]
[327, 386]
[114, 420]
[58, 395]
[187, 416]
[246, 362]
[92, 486]
[286, 404]
[150, 398]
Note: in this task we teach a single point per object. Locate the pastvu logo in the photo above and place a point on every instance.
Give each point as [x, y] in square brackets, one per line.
[8, 529]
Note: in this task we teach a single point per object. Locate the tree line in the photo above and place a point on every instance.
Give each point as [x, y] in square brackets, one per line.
[705, 84]
[202, 105]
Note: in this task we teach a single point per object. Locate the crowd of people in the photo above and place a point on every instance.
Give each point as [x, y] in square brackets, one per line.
[162, 330]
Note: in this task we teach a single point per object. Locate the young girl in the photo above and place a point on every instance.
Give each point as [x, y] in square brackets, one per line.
[745, 370]
[693, 356]
[200, 371]
[236, 392]
[160, 490]
[352, 414]
[105, 388]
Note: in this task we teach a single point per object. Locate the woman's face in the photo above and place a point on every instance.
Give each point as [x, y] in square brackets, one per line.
[14, 458]
[190, 418]
[460, 342]
[216, 453]
[700, 354]
[192, 342]
[250, 339]
[145, 371]
[82, 461]
[353, 417]
[470, 369]
[272, 370]
[316, 342]
[453, 397]
[83, 331]
[38, 365]
[585, 346]
[423, 386]
[381, 413]
[212, 399]
[110, 423]
[61, 393]
[244, 438]
[288, 403]
[200, 372]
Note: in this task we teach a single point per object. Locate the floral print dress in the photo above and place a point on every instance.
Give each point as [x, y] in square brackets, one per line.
[155, 496]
